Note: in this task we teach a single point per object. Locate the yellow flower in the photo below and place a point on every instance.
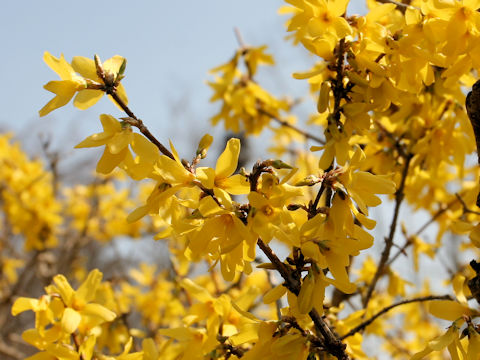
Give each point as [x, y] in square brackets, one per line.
[89, 86]
[79, 305]
[117, 138]
[86, 68]
[319, 24]
[224, 237]
[64, 89]
[362, 185]
[221, 179]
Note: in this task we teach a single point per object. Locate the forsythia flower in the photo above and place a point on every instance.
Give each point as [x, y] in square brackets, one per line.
[113, 69]
[221, 179]
[64, 89]
[88, 85]
[117, 138]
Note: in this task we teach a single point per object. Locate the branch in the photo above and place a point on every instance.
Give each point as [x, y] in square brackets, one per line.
[285, 123]
[400, 6]
[389, 241]
[422, 229]
[364, 324]
[110, 88]
[338, 88]
[332, 344]
[134, 121]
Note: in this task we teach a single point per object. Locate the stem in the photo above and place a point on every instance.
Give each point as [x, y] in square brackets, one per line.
[313, 208]
[139, 124]
[333, 345]
[422, 229]
[400, 6]
[282, 122]
[364, 324]
[399, 195]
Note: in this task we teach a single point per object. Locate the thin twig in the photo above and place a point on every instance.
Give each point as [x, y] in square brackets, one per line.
[466, 209]
[140, 125]
[365, 323]
[239, 37]
[285, 123]
[110, 88]
[421, 230]
[401, 6]
[399, 195]
[333, 345]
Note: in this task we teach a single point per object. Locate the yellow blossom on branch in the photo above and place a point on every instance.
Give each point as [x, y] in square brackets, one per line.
[81, 77]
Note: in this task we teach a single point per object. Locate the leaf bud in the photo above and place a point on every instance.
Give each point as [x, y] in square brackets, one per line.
[204, 145]
[310, 180]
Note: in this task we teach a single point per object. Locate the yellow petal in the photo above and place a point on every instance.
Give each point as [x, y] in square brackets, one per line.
[144, 148]
[180, 334]
[172, 171]
[247, 333]
[87, 347]
[274, 294]
[227, 161]
[149, 348]
[94, 140]
[442, 342]
[59, 65]
[99, 311]
[87, 98]
[87, 290]
[85, 67]
[206, 176]
[64, 90]
[138, 213]
[305, 298]
[120, 141]
[378, 183]
[23, 304]
[110, 124]
[62, 352]
[42, 356]
[421, 354]
[64, 288]
[109, 161]
[70, 320]
[235, 185]
[448, 309]
[198, 292]
[473, 350]
[475, 236]
[113, 64]
[208, 207]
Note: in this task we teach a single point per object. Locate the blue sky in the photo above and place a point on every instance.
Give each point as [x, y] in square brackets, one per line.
[169, 45]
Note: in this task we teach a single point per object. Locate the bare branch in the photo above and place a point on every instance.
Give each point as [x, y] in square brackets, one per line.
[399, 195]
[364, 324]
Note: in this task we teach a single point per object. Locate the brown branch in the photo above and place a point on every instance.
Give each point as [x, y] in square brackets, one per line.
[134, 121]
[364, 324]
[422, 229]
[399, 195]
[332, 344]
[285, 123]
[400, 6]
[466, 209]
[110, 88]
[239, 37]
[338, 88]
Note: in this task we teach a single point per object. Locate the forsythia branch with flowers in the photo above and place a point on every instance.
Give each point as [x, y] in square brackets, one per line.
[389, 87]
